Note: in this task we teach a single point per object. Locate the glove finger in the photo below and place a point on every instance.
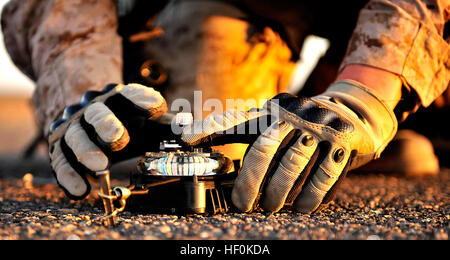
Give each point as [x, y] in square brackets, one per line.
[98, 120]
[141, 97]
[108, 123]
[129, 101]
[332, 192]
[322, 180]
[233, 126]
[82, 154]
[256, 165]
[74, 185]
[293, 169]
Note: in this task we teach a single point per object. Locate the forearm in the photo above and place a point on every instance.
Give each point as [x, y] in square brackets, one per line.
[386, 84]
[67, 47]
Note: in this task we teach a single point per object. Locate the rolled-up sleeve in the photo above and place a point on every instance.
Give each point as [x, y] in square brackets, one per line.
[66, 46]
[406, 38]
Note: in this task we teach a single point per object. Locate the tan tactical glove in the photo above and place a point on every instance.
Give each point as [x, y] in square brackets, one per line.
[299, 160]
[106, 127]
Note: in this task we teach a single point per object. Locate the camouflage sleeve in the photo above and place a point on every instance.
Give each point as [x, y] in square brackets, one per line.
[406, 38]
[65, 46]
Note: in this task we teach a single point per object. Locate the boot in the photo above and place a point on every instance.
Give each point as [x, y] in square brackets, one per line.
[409, 154]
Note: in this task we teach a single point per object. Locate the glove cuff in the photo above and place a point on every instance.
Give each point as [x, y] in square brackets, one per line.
[367, 104]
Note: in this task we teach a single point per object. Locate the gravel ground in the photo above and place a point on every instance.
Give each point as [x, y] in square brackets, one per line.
[367, 206]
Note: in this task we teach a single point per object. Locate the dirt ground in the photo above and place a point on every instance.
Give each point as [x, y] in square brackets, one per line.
[17, 124]
[367, 206]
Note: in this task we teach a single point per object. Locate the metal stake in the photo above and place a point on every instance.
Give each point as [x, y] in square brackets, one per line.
[105, 194]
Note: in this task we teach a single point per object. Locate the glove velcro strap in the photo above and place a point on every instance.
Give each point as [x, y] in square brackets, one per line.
[369, 107]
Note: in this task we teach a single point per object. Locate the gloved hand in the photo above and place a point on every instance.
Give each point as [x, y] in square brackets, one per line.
[299, 160]
[106, 127]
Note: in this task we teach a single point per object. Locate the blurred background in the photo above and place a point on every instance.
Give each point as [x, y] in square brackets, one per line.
[17, 125]
[17, 122]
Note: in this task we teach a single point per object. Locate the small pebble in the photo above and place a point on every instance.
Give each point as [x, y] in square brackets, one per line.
[373, 237]
[164, 229]
[73, 237]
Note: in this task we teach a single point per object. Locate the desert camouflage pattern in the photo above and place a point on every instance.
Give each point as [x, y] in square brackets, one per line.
[405, 38]
[66, 46]
[70, 46]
